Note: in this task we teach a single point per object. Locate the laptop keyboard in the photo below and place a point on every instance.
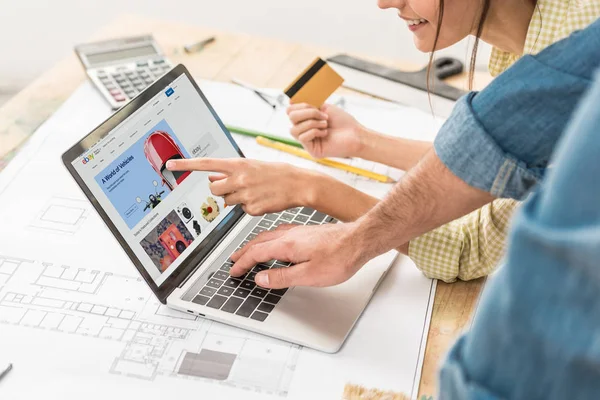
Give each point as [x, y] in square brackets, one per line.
[241, 296]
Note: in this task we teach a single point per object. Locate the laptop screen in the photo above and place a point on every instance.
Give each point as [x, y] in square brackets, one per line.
[162, 216]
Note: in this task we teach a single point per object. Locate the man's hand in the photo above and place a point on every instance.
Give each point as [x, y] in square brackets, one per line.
[425, 198]
[323, 256]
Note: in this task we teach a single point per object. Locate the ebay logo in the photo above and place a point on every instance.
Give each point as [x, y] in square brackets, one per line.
[87, 159]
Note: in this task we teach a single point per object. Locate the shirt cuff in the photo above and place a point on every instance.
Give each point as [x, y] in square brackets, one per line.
[437, 253]
[466, 149]
[467, 248]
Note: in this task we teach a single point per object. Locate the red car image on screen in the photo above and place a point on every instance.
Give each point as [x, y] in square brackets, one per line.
[159, 148]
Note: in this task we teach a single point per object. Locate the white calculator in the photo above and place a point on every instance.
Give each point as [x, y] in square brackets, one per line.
[121, 68]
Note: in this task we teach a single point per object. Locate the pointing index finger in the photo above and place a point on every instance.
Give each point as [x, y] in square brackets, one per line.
[221, 165]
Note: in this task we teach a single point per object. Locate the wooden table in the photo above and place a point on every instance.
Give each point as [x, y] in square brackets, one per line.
[262, 62]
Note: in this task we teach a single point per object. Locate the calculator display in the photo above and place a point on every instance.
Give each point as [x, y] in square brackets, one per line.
[120, 54]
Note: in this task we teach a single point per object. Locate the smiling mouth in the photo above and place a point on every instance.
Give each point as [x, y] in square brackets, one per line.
[415, 22]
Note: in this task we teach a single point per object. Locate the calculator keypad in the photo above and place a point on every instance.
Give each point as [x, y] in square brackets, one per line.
[125, 82]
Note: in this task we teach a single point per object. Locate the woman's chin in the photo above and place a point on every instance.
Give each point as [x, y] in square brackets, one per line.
[424, 46]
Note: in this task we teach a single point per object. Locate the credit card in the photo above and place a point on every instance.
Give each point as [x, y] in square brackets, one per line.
[314, 85]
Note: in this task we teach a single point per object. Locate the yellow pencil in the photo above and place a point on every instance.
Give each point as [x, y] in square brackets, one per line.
[330, 163]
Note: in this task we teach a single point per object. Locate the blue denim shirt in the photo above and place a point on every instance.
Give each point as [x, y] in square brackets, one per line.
[500, 139]
[536, 334]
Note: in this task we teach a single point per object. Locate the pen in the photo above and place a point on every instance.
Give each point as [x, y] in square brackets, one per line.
[196, 47]
[256, 91]
[324, 161]
[6, 371]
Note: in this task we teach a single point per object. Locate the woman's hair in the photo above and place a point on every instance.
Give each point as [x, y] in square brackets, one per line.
[485, 7]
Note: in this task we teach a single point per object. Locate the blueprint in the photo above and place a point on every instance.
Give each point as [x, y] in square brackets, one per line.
[77, 320]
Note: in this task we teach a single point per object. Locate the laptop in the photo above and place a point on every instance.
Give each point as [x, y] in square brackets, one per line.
[180, 237]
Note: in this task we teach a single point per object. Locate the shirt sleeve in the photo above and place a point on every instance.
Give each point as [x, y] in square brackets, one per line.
[467, 248]
[535, 333]
[500, 139]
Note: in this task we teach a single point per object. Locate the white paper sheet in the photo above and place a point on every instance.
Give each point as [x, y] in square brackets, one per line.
[77, 321]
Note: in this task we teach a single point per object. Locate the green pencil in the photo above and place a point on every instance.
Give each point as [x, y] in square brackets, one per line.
[251, 133]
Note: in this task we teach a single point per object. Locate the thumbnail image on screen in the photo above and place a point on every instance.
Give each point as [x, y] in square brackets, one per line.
[169, 238]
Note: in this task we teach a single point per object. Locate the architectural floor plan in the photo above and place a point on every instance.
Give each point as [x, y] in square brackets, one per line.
[76, 318]
[155, 340]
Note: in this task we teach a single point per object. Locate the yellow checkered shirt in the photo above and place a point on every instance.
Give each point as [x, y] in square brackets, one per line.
[472, 246]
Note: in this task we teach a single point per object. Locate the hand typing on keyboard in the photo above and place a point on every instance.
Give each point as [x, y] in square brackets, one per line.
[323, 256]
[239, 294]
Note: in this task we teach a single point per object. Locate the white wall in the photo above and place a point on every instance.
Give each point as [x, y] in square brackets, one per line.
[34, 34]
